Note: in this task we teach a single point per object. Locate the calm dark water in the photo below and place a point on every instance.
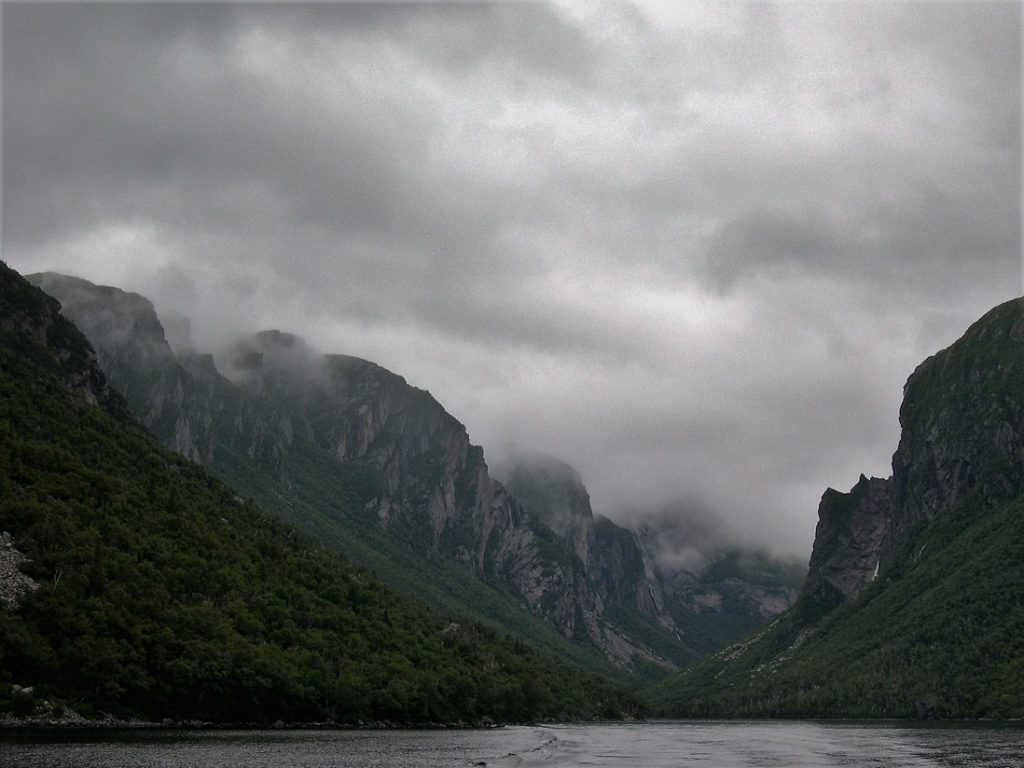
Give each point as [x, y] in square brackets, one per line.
[648, 745]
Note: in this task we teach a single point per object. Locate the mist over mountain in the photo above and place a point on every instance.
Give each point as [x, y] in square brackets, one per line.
[336, 444]
[914, 583]
[680, 537]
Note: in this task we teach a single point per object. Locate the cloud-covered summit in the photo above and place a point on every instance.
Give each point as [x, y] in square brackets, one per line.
[694, 249]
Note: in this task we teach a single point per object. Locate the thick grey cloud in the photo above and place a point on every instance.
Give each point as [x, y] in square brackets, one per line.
[694, 249]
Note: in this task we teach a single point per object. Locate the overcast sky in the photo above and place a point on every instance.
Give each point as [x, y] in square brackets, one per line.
[693, 251]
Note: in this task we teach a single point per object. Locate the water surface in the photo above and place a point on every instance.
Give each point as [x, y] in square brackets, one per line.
[647, 745]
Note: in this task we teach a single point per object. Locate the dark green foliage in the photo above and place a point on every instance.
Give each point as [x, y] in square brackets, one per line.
[705, 631]
[939, 385]
[162, 594]
[327, 500]
[962, 415]
[938, 634]
[553, 549]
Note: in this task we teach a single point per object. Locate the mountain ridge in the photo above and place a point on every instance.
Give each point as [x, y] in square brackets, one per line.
[351, 431]
[411, 489]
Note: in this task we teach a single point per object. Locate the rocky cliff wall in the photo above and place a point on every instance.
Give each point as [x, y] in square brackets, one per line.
[962, 438]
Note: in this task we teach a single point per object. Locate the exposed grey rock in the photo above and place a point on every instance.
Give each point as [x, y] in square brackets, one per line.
[553, 491]
[853, 531]
[962, 439]
[624, 570]
[79, 367]
[13, 583]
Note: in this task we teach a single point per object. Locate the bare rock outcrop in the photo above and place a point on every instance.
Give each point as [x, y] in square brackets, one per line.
[13, 583]
[962, 441]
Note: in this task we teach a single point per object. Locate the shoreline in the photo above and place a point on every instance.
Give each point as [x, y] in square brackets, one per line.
[78, 723]
[83, 724]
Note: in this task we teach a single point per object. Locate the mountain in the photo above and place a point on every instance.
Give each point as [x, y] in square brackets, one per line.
[682, 612]
[379, 470]
[364, 462]
[914, 603]
[134, 583]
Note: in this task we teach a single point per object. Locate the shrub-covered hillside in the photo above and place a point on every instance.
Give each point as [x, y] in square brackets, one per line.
[938, 634]
[160, 593]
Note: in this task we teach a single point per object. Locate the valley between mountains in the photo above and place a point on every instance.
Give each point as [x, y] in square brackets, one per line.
[379, 470]
[267, 532]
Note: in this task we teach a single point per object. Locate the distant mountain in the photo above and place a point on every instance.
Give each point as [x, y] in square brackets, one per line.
[682, 612]
[914, 604]
[132, 582]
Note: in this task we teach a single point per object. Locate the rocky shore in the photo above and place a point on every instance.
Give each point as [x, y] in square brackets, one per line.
[68, 718]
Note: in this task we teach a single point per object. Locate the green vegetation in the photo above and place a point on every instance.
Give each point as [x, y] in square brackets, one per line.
[552, 492]
[986, 365]
[970, 395]
[163, 594]
[327, 500]
[703, 632]
[938, 634]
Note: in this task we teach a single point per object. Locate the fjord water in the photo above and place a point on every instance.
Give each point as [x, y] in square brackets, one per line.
[647, 745]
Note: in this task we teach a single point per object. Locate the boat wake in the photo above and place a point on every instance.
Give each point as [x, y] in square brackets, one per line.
[526, 757]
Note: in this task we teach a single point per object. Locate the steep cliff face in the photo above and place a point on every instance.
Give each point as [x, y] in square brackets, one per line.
[735, 592]
[185, 402]
[433, 489]
[962, 437]
[853, 530]
[32, 327]
[963, 421]
[336, 443]
[32, 324]
[682, 613]
[431, 485]
[554, 492]
[132, 350]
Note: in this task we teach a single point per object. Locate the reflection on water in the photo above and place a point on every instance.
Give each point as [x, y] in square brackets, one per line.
[647, 745]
